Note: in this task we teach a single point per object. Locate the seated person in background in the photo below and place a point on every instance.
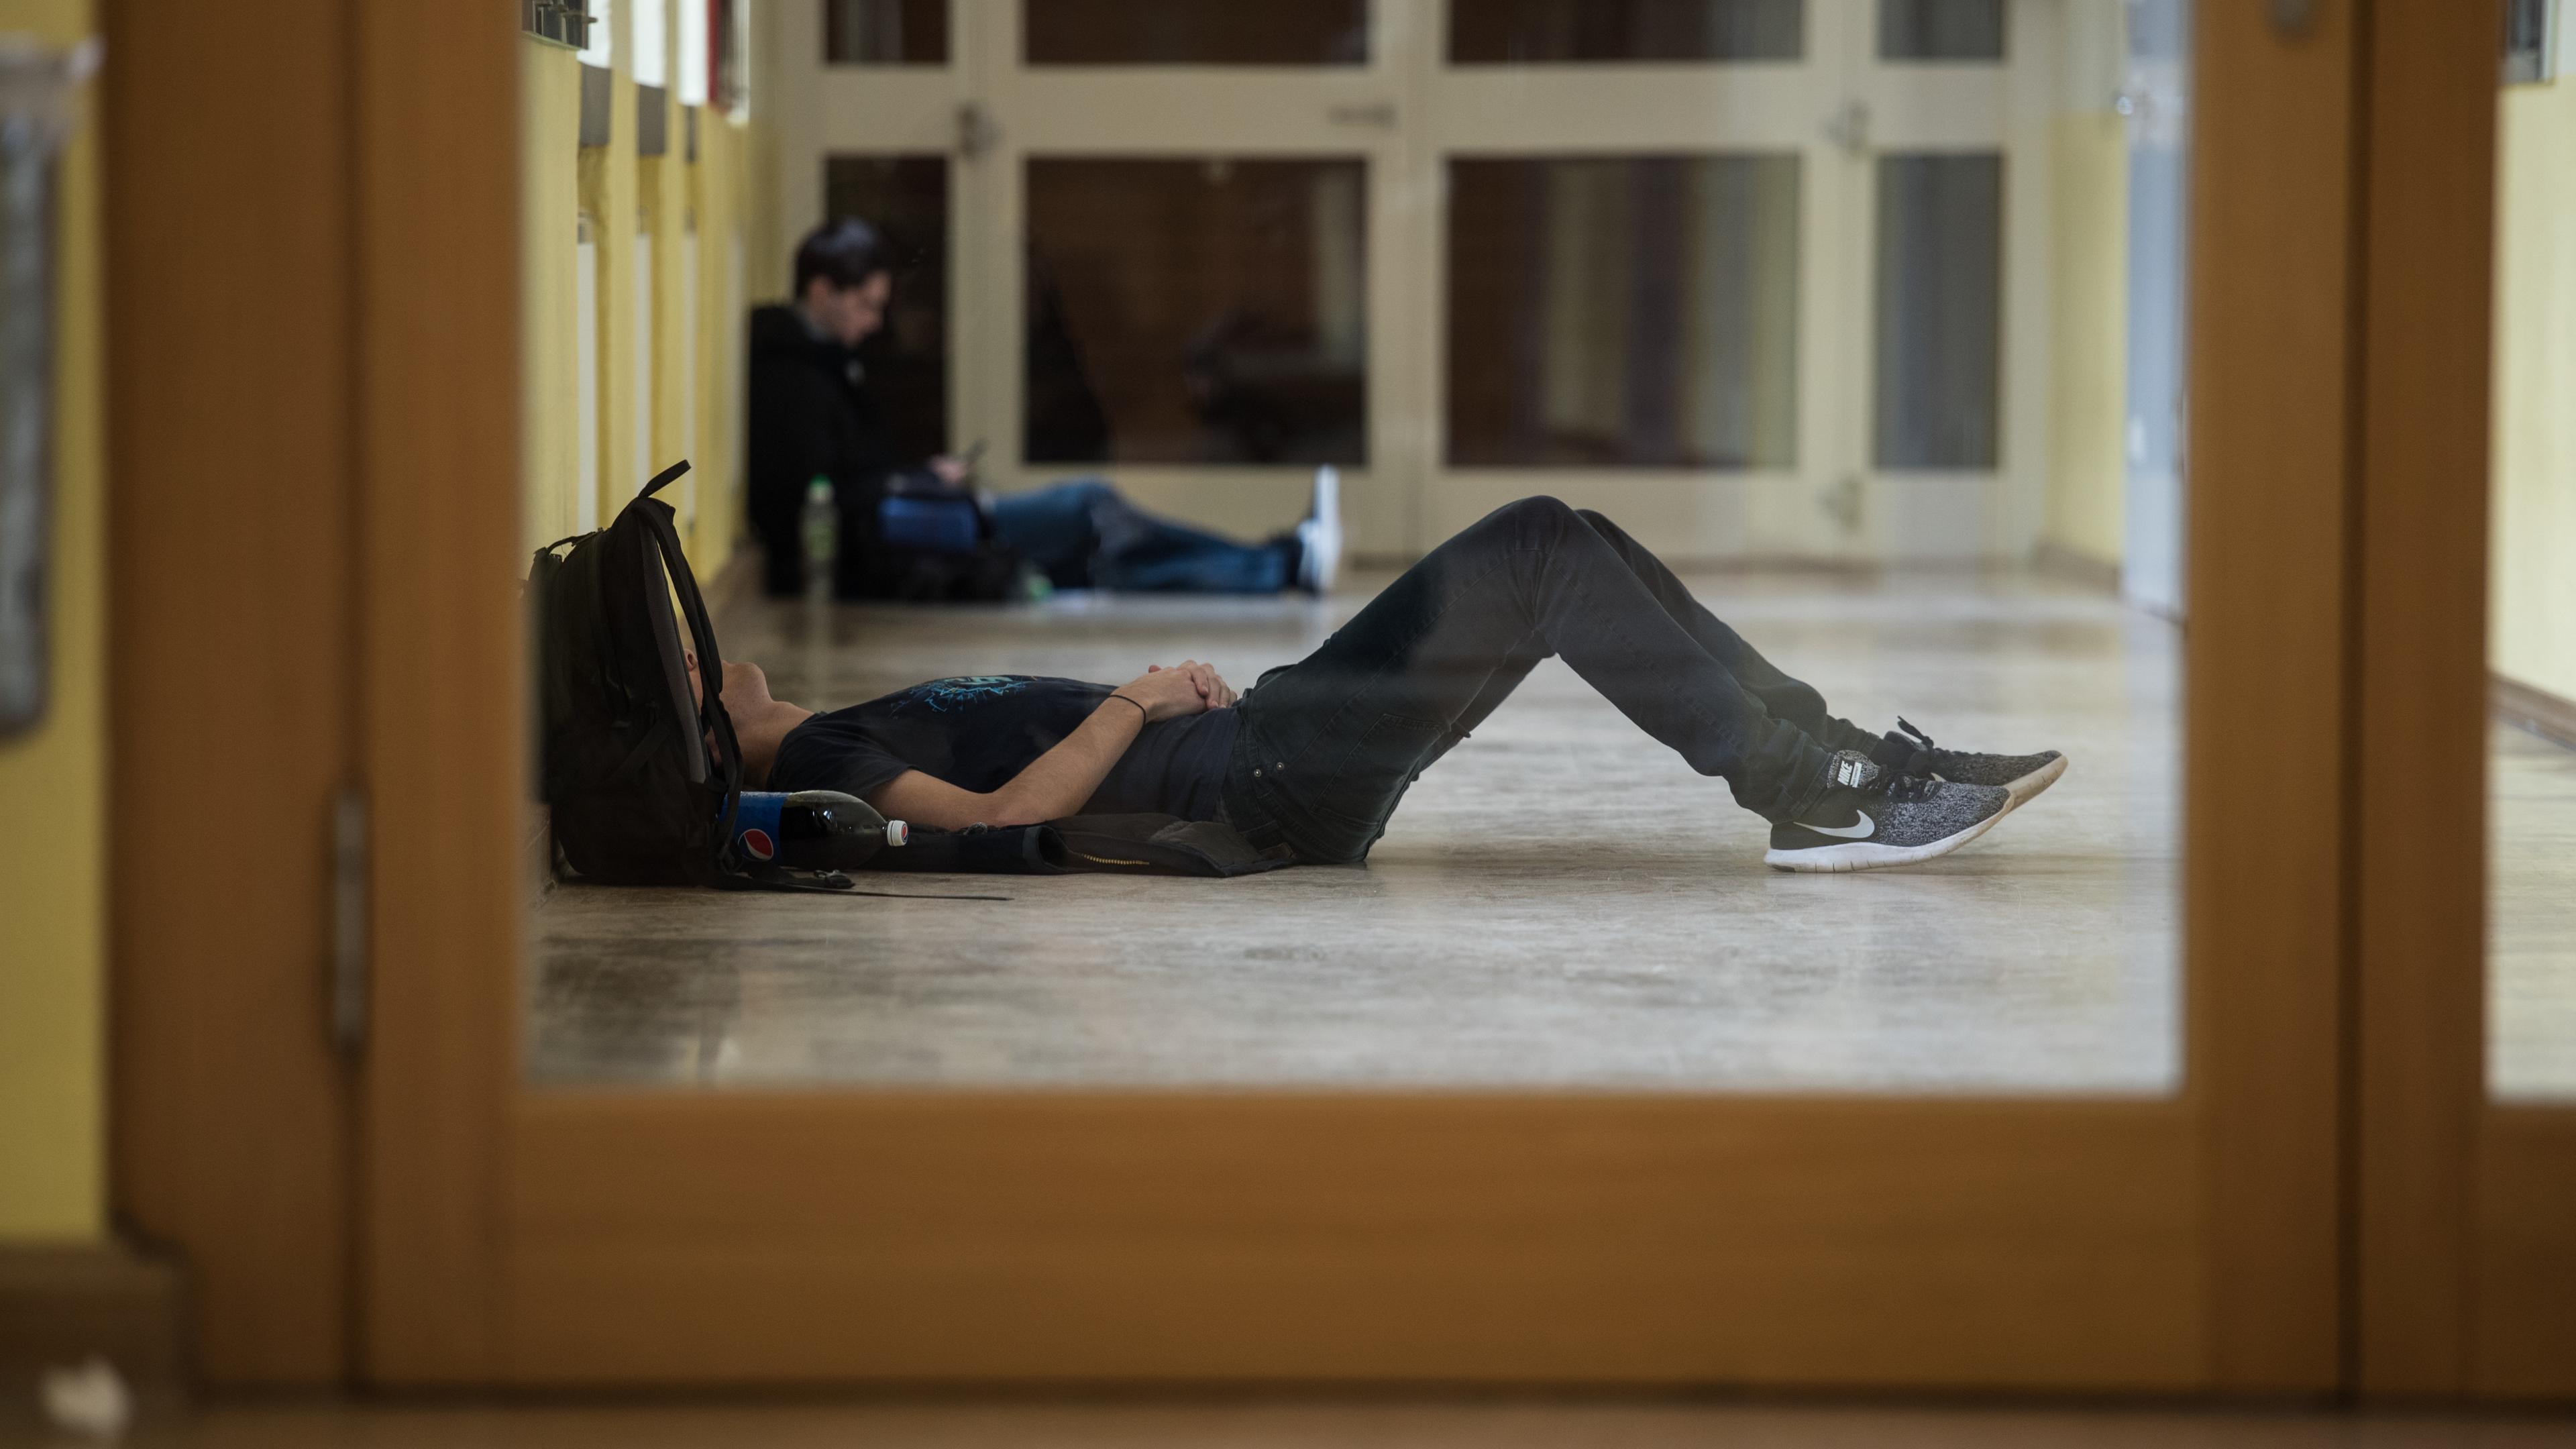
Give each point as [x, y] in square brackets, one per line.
[1314, 758]
[811, 416]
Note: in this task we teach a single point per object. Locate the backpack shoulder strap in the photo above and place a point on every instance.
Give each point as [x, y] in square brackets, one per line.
[656, 519]
[663, 479]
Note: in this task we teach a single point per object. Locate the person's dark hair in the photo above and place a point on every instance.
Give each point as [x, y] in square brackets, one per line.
[845, 253]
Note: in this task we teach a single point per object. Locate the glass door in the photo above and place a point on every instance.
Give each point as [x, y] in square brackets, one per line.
[1615, 1104]
[1151, 239]
[1755, 292]
[1752, 294]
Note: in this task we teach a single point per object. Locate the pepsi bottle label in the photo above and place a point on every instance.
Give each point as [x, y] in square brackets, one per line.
[755, 825]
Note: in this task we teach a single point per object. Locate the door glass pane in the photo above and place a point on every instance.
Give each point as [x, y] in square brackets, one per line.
[1636, 311]
[601, 47]
[1209, 311]
[1195, 32]
[652, 44]
[1941, 29]
[906, 199]
[2531, 647]
[689, 87]
[1938, 309]
[2527, 50]
[1525, 32]
[885, 32]
[1627, 288]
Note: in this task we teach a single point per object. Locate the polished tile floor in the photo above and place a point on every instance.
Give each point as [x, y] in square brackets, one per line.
[1561, 903]
[1382, 1425]
[2531, 921]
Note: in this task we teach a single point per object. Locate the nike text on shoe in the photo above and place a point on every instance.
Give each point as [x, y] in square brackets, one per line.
[1868, 818]
[1319, 535]
[1913, 753]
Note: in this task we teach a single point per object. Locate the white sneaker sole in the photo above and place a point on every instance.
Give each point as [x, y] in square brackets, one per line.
[1868, 855]
[2027, 788]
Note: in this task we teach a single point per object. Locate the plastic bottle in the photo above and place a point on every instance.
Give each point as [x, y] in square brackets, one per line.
[820, 527]
[812, 829]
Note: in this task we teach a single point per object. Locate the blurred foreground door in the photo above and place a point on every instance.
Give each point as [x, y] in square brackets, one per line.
[2187, 1241]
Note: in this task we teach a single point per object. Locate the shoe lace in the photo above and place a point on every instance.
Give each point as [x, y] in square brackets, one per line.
[1921, 762]
[1902, 787]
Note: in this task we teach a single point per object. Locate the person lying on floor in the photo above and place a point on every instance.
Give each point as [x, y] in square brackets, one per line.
[1315, 757]
[811, 416]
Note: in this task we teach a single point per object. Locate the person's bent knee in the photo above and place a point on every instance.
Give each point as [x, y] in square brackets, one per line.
[1539, 505]
[1539, 515]
[1611, 533]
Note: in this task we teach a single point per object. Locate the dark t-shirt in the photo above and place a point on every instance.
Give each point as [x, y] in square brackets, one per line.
[979, 732]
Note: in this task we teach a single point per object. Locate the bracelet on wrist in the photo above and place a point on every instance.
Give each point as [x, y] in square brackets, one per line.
[1143, 715]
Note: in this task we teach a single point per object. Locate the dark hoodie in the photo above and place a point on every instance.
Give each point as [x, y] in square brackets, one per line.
[809, 417]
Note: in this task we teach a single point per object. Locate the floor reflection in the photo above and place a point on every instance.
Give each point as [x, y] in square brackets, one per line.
[2531, 929]
[1561, 903]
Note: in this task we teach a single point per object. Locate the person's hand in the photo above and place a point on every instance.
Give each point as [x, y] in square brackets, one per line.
[1186, 688]
[951, 471]
[1217, 693]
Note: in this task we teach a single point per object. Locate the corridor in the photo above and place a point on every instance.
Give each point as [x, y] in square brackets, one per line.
[1561, 903]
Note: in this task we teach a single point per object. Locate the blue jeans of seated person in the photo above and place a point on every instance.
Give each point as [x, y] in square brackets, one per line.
[1327, 746]
[1083, 534]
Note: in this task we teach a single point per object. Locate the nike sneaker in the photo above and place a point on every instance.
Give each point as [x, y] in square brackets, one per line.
[1913, 753]
[1869, 817]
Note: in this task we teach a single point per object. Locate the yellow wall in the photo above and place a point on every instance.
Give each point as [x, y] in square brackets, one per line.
[549, 204]
[2088, 322]
[2532, 636]
[717, 196]
[2088, 327]
[53, 937]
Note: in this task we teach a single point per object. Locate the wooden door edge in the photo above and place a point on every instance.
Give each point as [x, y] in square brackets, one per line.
[2419, 716]
[2269, 377]
[443, 736]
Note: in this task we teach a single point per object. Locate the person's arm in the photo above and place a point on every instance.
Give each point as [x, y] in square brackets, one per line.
[1056, 783]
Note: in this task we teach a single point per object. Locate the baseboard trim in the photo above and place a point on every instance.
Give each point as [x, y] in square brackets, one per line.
[2536, 710]
[2059, 562]
[63, 1306]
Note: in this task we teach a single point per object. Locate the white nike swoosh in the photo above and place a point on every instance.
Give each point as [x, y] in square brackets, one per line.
[1863, 829]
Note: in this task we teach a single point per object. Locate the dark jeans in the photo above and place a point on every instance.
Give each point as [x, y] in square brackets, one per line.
[1328, 745]
[1083, 534]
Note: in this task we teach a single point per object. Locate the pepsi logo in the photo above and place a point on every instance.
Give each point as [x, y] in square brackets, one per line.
[757, 841]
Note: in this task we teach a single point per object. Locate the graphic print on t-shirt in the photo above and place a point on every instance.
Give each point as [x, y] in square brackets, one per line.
[980, 731]
[944, 695]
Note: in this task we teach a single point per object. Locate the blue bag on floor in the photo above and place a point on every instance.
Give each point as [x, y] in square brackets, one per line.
[931, 523]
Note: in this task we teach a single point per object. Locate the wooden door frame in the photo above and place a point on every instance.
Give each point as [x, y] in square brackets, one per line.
[496, 1236]
[2465, 1242]
[233, 652]
[313, 473]
[2181, 1244]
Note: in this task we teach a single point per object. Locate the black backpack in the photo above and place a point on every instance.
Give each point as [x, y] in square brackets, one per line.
[635, 793]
